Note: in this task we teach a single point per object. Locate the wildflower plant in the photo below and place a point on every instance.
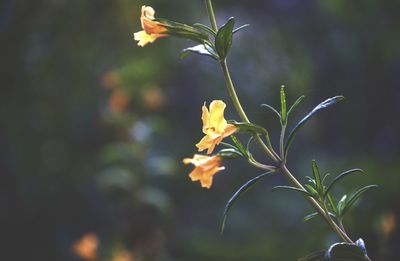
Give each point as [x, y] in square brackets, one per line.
[215, 42]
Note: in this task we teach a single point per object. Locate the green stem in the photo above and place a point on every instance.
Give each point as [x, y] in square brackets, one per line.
[211, 15]
[239, 109]
[337, 227]
[295, 183]
[270, 153]
[282, 142]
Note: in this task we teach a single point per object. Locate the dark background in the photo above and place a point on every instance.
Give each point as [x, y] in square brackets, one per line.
[94, 128]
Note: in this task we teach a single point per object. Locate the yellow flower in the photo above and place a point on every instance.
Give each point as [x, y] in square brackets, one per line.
[151, 30]
[215, 126]
[205, 168]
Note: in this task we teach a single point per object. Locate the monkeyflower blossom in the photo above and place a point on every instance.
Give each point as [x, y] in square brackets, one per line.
[215, 126]
[205, 168]
[86, 247]
[152, 30]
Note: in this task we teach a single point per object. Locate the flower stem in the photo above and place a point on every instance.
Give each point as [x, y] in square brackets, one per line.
[324, 214]
[211, 15]
[239, 109]
[282, 142]
[270, 153]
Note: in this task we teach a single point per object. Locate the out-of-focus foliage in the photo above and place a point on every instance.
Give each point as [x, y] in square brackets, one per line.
[93, 128]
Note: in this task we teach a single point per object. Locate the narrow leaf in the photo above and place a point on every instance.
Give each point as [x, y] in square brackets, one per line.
[249, 127]
[230, 153]
[292, 189]
[272, 109]
[317, 177]
[183, 30]
[249, 142]
[205, 28]
[310, 216]
[244, 188]
[350, 202]
[223, 40]
[198, 49]
[228, 145]
[295, 104]
[340, 176]
[239, 145]
[315, 214]
[240, 28]
[325, 104]
[345, 252]
[341, 204]
[332, 203]
[283, 105]
[311, 190]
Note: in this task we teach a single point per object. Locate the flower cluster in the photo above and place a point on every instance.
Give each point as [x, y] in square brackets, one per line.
[215, 128]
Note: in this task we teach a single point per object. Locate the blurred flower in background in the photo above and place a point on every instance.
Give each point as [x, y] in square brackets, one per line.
[86, 247]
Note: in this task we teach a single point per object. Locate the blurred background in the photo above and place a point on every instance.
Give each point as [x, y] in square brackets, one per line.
[94, 128]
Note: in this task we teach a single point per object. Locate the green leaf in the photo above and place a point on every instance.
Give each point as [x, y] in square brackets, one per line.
[198, 49]
[323, 105]
[341, 204]
[296, 104]
[223, 40]
[293, 189]
[230, 153]
[240, 28]
[316, 256]
[205, 28]
[244, 188]
[249, 127]
[272, 109]
[239, 146]
[345, 252]
[340, 176]
[183, 30]
[283, 105]
[331, 203]
[311, 190]
[313, 215]
[317, 177]
[350, 202]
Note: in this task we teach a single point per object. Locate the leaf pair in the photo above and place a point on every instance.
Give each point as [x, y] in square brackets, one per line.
[219, 48]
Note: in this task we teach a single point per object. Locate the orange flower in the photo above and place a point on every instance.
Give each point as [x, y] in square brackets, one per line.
[215, 126]
[151, 30]
[86, 247]
[205, 168]
[118, 101]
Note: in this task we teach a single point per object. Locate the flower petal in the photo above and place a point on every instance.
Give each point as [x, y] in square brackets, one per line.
[205, 117]
[196, 174]
[229, 130]
[217, 119]
[144, 38]
[205, 143]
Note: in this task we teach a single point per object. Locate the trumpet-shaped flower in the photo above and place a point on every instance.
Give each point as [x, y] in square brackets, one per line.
[205, 168]
[215, 126]
[151, 30]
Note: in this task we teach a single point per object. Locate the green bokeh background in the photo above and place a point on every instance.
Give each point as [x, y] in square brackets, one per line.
[72, 164]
